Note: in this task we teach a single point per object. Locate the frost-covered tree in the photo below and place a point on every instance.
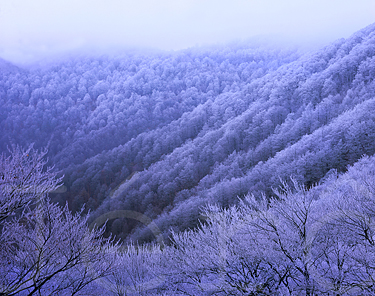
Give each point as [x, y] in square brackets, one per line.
[138, 270]
[24, 179]
[49, 251]
[44, 249]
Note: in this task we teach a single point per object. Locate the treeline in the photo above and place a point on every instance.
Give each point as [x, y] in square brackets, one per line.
[165, 134]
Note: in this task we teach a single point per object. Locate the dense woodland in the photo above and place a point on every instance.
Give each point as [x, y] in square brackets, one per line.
[169, 134]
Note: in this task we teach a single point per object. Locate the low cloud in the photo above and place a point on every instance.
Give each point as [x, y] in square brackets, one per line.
[31, 30]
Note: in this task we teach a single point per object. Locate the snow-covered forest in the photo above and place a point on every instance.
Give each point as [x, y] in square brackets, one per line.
[251, 165]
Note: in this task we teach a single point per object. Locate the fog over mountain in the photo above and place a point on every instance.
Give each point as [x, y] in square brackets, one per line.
[166, 133]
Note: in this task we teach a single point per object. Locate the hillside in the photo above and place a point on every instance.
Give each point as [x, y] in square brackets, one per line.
[165, 134]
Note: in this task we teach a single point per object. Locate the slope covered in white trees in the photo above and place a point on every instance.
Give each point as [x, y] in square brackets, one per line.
[177, 131]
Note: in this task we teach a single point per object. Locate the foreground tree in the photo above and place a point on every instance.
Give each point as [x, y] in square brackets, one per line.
[24, 179]
[348, 233]
[49, 250]
[227, 256]
[137, 271]
[45, 249]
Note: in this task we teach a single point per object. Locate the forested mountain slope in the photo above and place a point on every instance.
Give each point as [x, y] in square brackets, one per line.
[166, 133]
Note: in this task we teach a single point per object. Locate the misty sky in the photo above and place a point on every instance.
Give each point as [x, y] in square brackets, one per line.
[31, 29]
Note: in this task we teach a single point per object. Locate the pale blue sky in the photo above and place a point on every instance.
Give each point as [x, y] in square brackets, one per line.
[31, 29]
